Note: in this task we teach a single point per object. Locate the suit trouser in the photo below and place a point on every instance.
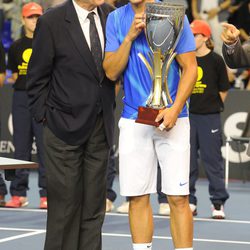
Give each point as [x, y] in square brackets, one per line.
[25, 128]
[206, 137]
[111, 194]
[76, 186]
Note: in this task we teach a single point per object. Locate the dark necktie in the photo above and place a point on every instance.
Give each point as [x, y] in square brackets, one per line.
[95, 45]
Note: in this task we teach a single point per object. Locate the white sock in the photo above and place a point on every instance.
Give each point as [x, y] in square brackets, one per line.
[190, 248]
[143, 246]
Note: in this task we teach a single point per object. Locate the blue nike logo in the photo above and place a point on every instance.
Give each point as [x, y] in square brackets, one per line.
[182, 184]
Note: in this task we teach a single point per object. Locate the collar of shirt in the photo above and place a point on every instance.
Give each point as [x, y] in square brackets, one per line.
[82, 15]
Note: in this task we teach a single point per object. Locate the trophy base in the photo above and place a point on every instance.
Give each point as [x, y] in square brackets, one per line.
[148, 115]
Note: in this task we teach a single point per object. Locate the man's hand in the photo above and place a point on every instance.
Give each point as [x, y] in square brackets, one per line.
[136, 27]
[169, 117]
[230, 34]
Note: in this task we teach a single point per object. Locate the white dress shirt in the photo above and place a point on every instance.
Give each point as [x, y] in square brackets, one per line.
[84, 22]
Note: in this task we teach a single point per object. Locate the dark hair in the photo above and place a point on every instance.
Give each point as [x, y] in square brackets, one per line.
[210, 43]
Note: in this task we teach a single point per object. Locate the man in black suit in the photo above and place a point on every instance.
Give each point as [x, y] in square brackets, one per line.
[70, 93]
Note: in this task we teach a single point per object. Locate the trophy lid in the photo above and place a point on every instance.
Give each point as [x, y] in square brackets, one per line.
[164, 23]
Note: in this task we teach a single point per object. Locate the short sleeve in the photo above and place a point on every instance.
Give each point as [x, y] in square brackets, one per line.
[186, 42]
[12, 65]
[112, 42]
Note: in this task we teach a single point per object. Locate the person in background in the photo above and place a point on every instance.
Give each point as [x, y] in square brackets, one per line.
[206, 103]
[138, 143]
[235, 55]
[71, 96]
[3, 188]
[211, 11]
[240, 18]
[24, 127]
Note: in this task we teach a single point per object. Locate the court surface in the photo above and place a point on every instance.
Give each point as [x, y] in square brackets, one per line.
[24, 229]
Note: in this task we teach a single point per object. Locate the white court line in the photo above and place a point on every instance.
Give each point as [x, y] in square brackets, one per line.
[32, 233]
[195, 219]
[125, 215]
[21, 229]
[39, 231]
[23, 210]
[196, 239]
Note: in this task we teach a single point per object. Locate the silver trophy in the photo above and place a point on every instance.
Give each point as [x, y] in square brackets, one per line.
[164, 24]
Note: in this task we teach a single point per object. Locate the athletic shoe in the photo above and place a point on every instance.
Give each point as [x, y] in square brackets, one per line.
[218, 211]
[109, 205]
[193, 209]
[2, 201]
[123, 209]
[164, 209]
[17, 201]
[43, 203]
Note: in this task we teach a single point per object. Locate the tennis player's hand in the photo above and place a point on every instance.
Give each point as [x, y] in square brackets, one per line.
[169, 117]
[137, 26]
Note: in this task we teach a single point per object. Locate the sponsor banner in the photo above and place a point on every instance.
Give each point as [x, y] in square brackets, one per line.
[237, 106]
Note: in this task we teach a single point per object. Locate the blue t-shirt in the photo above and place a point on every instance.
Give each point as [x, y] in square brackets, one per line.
[137, 83]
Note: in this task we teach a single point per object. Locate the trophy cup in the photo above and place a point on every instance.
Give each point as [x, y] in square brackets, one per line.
[164, 24]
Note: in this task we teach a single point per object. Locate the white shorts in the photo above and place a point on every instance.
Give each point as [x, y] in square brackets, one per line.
[142, 146]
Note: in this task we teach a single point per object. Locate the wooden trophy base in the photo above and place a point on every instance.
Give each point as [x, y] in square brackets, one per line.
[148, 115]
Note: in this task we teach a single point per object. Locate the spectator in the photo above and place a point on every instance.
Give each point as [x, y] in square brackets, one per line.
[206, 103]
[235, 55]
[3, 189]
[243, 24]
[210, 11]
[24, 127]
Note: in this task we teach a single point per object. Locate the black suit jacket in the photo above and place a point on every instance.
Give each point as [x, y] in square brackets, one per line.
[63, 84]
[240, 56]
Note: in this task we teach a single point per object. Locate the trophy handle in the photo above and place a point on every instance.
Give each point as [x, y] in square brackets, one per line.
[150, 70]
[150, 55]
[146, 63]
[169, 61]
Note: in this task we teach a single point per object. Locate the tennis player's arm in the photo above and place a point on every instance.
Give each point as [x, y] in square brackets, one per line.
[188, 64]
[114, 63]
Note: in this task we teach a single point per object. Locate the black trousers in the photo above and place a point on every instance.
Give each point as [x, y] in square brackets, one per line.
[25, 129]
[76, 188]
[111, 194]
[206, 142]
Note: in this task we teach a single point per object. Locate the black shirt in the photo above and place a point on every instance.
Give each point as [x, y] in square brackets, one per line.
[18, 59]
[2, 59]
[212, 78]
